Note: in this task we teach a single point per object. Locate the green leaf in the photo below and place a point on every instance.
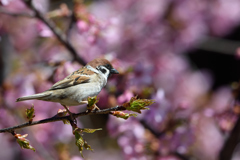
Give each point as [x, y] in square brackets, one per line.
[123, 115]
[92, 101]
[30, 113]
[137, 105]
[79, 142]
[66, 121]
[87, 146]
[23, 142]
[88, 130]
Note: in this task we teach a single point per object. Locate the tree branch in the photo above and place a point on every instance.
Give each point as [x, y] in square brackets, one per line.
[71, 24]
[231, 142]
[57, 118]
[154, 132]
[60, 36]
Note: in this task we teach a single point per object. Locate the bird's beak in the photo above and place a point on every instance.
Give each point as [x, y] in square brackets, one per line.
[114, 71]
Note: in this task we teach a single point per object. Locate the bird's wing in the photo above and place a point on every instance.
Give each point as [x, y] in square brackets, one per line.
[80, 76]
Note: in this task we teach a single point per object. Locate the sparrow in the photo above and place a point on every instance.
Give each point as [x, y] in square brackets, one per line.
[74, 90]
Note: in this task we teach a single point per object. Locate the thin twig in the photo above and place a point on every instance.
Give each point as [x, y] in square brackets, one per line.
[181, 156]
[71, 24]
[219, 45]
[57, 118]
[231, 142]
[60, 36]
[154, 132]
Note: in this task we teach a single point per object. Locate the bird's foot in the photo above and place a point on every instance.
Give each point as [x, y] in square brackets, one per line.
[95, 107]
[71, 115]
[92, 108]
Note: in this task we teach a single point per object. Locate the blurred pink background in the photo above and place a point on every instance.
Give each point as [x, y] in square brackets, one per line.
[184, 54]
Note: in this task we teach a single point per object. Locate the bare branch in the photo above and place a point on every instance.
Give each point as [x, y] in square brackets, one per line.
[71, 24]
[231, 142]
[60, 36]
[57, 118]
[154, 132]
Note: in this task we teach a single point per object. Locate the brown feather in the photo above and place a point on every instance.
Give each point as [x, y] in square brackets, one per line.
[98, 62]
[80, 79]
[61, 84]
[82, 71]
[77, 77]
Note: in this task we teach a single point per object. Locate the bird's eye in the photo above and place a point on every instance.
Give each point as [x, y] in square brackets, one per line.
[108, 66]
[103, 70]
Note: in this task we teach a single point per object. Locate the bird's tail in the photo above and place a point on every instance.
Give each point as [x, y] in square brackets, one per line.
[35, 96]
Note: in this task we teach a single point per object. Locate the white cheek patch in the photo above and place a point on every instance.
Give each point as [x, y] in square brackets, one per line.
[92, 69]
[107, 72]
[105, 75]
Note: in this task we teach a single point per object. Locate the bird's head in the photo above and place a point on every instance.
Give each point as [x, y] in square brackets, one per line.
[103, 66]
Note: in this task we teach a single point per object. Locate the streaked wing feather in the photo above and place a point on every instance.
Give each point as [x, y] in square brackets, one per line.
[77, 77]
[71, 81]
[61, 84]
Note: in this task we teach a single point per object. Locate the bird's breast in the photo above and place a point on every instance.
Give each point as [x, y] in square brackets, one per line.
[73, 96]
